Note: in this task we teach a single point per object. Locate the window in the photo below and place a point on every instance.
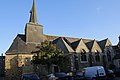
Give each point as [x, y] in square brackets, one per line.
[97, 58]
[27, 61]
[83, 57]
[108, 55]
[108, 52]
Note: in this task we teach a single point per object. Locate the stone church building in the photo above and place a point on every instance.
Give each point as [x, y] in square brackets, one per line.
[85, 52]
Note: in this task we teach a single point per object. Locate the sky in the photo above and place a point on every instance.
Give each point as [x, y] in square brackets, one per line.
[89, 19]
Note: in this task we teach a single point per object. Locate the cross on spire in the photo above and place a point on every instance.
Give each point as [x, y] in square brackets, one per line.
[33, 16]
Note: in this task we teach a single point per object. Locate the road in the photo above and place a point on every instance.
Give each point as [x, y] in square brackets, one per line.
[2, 78]
[117, 78]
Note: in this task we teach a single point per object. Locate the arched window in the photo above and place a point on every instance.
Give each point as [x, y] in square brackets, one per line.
[83, 55]
[97, 56]
[27, 61]
[108, 55]
[108, 52]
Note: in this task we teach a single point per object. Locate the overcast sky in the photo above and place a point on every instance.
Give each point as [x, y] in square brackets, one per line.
[89, 19]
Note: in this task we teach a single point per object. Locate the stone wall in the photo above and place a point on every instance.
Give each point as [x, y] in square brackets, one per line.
[17, 64]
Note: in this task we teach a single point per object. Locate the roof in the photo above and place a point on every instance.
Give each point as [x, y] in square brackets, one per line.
[63, 44]
[104, 43]
[93, 45]
[79, 46]
[67, 44]
[19, 45]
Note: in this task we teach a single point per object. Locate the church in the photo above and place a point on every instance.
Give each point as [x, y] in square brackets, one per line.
[88, 52]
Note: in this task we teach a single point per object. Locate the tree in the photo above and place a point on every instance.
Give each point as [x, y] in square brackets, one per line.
[49, 54]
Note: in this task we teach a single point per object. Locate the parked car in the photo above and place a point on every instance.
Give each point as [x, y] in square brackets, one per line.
[79, 75]
[30, 76]
[58, 76]
[117, 72]
[110, 74]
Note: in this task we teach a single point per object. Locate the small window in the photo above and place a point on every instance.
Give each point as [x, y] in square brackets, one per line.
[109, 55]
[97, 58]
[27, 61]
[83, 57]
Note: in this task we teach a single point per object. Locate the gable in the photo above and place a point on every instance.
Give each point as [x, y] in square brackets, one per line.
[81, 46]
[104, 43]
[61, 44]
[96, 47]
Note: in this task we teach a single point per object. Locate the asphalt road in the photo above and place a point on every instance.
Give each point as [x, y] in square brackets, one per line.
[2, 78]
[117, 78]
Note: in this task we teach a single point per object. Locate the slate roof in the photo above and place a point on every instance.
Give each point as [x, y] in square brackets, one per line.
[67, 43]
[104, 43]
[51, 38]
[90, 44]
[75, 44]
[63, 44]
[19, 45]
[79, 46]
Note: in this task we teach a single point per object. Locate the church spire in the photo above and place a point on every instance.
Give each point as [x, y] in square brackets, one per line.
[33, 16]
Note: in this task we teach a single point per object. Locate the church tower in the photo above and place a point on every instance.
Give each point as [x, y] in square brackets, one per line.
[33, 30]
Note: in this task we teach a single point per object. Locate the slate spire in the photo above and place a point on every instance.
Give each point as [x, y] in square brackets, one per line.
[33, 16]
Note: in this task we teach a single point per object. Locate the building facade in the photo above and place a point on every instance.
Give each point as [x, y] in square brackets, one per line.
[2, 66]
[116, 58]
[82, 52]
